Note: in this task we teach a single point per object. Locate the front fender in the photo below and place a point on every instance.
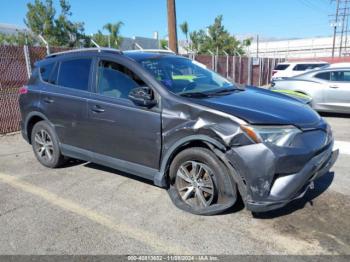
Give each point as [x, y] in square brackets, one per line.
[160, 178]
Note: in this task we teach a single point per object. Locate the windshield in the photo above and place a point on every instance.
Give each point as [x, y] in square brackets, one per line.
[183, 76]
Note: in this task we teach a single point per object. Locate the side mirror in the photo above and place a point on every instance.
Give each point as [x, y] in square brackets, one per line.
[142, 96]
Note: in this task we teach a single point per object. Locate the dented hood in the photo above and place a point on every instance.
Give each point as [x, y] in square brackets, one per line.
[259, 106]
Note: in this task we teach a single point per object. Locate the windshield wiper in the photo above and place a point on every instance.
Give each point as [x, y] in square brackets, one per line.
[224, 91]
[194, 94]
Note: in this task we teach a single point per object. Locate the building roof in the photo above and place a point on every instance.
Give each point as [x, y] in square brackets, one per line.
[11, 29]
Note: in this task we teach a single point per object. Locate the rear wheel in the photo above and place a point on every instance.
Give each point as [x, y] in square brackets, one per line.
[197, 182]
[45, 145]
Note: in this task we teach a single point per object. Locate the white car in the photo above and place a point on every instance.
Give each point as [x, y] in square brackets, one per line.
[290, 69]
[339, 65]
[328, 87]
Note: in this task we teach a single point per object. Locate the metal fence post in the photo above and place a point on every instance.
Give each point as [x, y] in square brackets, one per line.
[268, 71]
[259, 81]
[46, 44]
[263, 71]
[240, 70]
[226, 62]
[233, 69]
[249, 71]
[212, 60]
[27, 59]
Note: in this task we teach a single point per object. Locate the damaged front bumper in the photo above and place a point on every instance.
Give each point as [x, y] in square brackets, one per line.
[266, 177]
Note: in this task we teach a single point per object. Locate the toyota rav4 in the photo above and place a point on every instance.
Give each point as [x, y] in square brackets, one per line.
[169, 119]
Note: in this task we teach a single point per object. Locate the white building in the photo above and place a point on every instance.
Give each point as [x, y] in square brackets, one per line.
[299, 48]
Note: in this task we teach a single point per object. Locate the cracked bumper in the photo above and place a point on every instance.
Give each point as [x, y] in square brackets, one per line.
[266, 189]
[295, 185]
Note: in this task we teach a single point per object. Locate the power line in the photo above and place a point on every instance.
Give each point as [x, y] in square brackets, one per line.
[313, 7]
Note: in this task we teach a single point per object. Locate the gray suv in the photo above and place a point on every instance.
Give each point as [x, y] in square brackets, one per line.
[168, 119]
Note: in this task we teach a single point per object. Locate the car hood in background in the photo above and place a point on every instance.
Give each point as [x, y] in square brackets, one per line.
[297, 95]
[259, 106]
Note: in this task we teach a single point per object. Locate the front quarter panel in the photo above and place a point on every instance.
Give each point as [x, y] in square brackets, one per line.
[183, 122]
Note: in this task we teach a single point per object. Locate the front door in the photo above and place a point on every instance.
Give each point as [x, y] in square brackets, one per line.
[125, 134]
[337, 93]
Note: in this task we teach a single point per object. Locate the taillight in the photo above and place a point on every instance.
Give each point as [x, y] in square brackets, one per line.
[23, 90]
[274, 72]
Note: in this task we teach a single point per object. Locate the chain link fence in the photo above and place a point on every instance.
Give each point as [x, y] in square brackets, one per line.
[15, 66]
[16, 63]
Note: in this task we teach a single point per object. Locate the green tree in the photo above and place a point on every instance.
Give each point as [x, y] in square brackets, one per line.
[198, 38]
[184, 29]
[164, 43]
[100, 39]
[114, 33]
[217, 40]
[58, 31]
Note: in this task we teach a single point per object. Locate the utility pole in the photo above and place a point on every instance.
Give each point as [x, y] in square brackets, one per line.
[335, 28]
[340, 24]
[172, 31]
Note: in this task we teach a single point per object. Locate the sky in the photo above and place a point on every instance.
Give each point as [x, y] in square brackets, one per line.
[268, 18]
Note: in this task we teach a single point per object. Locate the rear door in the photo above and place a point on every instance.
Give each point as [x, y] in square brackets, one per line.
[337, 93]
[64, 100]
[122, 132]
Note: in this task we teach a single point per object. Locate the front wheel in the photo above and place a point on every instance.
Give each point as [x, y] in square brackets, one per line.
[199, 181]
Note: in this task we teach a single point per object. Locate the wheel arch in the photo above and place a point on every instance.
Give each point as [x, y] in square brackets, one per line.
[191, 141]
[33, 118]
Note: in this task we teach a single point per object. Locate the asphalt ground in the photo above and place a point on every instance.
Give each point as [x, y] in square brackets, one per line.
[85, 208]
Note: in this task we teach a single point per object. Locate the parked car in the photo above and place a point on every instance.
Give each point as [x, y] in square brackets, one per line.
[338, 65]
[290, 69]
[329, 88]
[164, 118]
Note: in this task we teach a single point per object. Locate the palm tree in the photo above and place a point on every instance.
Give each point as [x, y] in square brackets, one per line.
[114, 33]
[184, 29]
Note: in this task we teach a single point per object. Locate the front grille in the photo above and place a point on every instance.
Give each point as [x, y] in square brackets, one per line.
[313, 139]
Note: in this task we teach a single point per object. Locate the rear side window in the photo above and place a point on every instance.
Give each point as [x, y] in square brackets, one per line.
[75, 74]
[304, 67]
[324, 76]
[282, 67]
[45, 71]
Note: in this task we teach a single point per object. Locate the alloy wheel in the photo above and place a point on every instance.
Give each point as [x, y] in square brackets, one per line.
[195, 184]
[44, 145]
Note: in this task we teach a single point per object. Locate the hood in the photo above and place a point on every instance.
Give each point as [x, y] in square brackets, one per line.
[260, 106]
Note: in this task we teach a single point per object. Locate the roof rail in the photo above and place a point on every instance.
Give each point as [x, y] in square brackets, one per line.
[99, 49]
[165, 51]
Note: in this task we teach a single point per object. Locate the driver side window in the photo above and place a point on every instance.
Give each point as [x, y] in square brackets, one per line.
[115, 80]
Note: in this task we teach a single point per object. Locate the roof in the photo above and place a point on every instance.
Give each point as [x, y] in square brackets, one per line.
[303, 62]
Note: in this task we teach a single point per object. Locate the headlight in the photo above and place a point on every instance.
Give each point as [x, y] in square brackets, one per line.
[277, 135]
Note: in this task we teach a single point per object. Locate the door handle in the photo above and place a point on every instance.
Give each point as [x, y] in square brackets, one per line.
[334, 86]
[97, 109]
[48, 100]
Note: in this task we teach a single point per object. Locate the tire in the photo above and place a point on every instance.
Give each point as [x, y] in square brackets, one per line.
[200, 183]
[45, 145]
